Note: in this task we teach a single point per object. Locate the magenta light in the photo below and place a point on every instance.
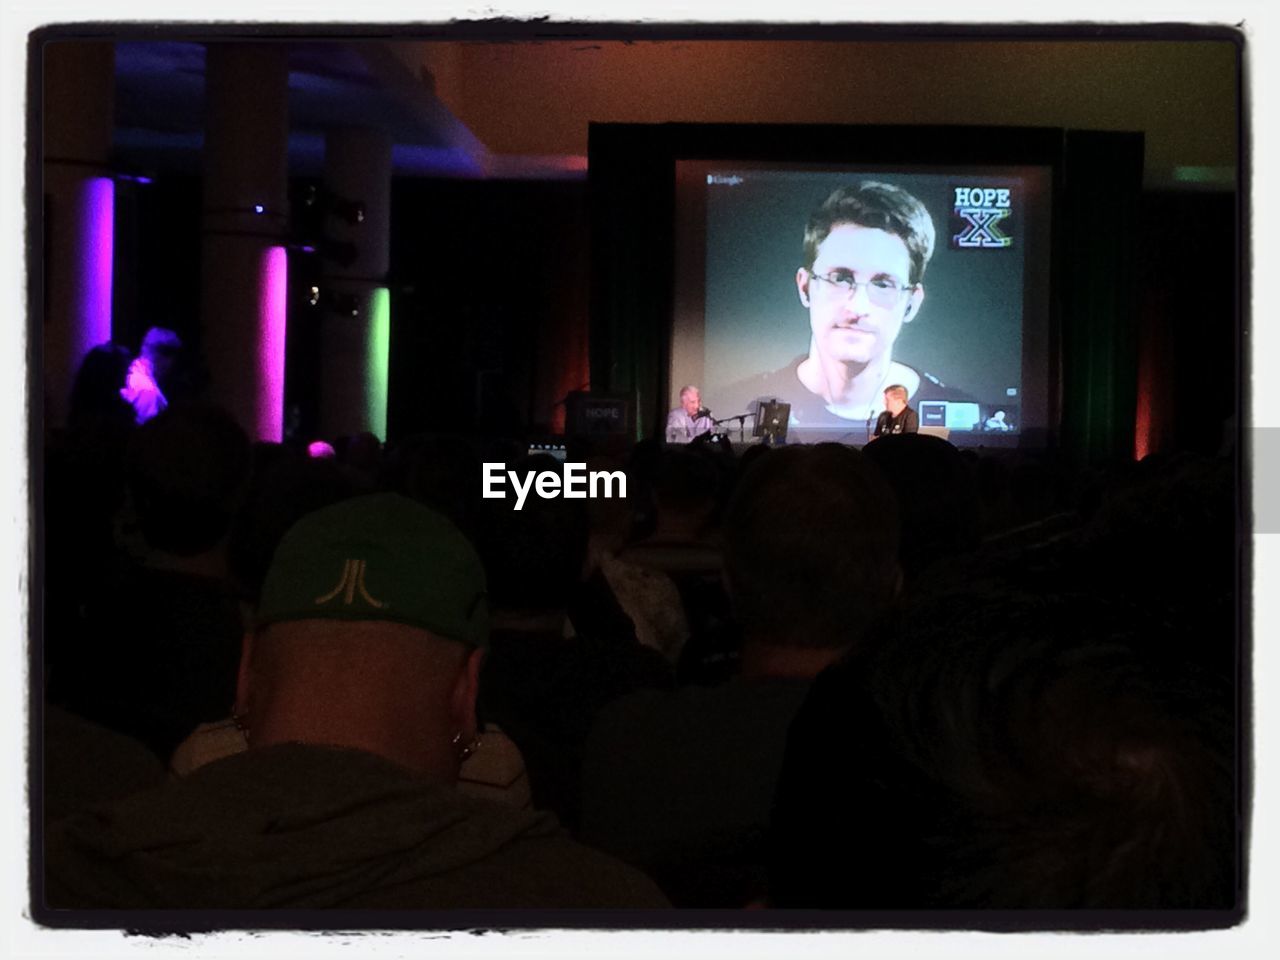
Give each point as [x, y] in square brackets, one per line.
[271, 313]
[320, 450]
[96, 250]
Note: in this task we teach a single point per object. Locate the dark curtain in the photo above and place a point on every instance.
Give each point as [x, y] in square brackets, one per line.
[1190, 337]
[1096, 283]
[632, 206]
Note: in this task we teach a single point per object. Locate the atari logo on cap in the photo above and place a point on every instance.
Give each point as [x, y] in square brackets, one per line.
[350, 581]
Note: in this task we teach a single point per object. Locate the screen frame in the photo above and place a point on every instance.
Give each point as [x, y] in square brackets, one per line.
[687, 357]
[632, 182]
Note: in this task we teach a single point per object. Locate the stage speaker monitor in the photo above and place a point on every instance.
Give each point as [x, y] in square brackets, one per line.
[597, 415]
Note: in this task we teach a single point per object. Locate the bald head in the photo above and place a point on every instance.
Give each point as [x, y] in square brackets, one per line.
[389, 688]
[811, 546]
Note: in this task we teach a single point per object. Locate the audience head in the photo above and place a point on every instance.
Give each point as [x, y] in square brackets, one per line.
[643, 461]
[285, 488]
[187, 470]
[440, 472]
[1015, 753]
[1168, 537]
[811, 547]
[937, 497]
[1090, 778]
[686, 485]
[369, 635]
[609, 519]
[1169, 521]
[95, 394]
[363, 452]
[160, 347]
[534, 556]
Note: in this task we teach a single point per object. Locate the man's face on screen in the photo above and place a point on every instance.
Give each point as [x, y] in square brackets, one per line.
[691, 401]
[858, 326]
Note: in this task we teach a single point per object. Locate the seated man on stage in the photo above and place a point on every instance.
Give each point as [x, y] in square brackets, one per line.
[897, 416]
[689, 419]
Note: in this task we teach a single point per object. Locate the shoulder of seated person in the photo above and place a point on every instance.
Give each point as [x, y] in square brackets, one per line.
[581, 875]
[645, 707]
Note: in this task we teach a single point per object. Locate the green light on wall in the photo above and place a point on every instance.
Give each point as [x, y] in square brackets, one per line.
[1209, 176]
[379, 358]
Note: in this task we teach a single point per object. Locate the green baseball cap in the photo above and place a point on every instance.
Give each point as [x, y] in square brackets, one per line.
[379, 557]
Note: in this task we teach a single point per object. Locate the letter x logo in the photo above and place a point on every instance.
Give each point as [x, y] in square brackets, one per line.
[351, 580]
[983, 228]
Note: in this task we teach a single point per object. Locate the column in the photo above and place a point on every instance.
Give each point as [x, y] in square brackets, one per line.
[355, 349]
[79, 208]
[243, 260]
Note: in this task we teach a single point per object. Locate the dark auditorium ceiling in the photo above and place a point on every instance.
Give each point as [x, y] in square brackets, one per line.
[160, 107]
[477, 108]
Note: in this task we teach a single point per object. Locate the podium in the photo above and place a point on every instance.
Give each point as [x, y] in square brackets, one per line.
[604, 418]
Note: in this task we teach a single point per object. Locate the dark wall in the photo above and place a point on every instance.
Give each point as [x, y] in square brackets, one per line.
[1097, 270]
[489, 287]
[157, 259]
[1191, 317]
[156, 280]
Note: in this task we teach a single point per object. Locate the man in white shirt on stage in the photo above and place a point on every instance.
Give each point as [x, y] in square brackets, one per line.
[689, 419]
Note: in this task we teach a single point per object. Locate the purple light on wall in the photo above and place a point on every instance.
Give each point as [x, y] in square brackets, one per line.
[97, 256]
[272, 310]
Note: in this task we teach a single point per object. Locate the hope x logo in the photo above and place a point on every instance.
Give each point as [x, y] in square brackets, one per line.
[982, 229]
[351, 581]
